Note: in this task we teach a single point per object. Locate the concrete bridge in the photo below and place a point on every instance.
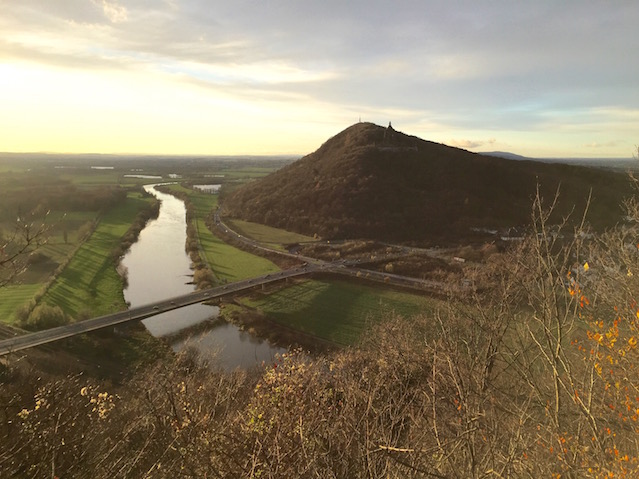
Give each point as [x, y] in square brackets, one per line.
[30, 340]
[345, 267]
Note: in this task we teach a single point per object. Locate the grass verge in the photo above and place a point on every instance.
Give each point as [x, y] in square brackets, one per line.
[267, 234]
[227, 262]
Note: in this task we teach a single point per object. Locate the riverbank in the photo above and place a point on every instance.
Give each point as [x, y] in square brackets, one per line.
[91, 285]
[159, 259]
[258, 324]
[227, 262]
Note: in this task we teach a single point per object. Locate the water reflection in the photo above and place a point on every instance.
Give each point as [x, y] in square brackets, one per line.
[248, 350]
[158, 268]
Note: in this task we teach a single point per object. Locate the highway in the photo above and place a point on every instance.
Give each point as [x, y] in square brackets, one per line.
[254, 244]
[396, 279]
[350, 267]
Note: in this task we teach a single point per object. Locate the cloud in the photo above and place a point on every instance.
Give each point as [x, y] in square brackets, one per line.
[115, 12]
[470, 144]
[464, 70]
[596, 145]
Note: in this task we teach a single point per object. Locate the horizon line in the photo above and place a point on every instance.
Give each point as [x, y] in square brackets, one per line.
[290, 155]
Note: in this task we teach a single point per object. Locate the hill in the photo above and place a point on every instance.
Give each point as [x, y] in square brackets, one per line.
[375, 182]
[506, 154]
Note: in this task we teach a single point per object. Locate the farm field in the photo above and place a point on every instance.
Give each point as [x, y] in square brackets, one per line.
[13, 297]
[228, 262]
[337, 311]
[247, 172]
[90, 284]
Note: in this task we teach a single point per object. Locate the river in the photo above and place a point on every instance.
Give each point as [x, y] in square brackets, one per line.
[158, 268]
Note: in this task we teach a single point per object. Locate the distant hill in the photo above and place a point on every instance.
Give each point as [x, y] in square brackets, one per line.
[374, 182]
[505, 154]
[610, 163]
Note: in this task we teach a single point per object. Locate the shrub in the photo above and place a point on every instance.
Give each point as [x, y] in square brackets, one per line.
[37, 258]
[45, 316]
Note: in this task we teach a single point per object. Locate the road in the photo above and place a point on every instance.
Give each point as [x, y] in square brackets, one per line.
[350, 267]
[396, 279]
[254, 244]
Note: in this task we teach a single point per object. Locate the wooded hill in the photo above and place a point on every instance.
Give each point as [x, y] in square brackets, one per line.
[374, 182]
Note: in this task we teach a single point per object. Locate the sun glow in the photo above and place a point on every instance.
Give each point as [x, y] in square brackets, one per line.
[46, 109]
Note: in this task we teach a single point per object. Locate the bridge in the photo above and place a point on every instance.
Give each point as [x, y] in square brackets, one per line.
[344, 267]
[30, 340]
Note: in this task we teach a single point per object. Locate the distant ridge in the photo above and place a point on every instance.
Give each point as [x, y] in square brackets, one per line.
[611, 163]
[507, 155]
[375, 182]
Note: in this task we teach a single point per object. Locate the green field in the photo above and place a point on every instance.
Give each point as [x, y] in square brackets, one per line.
[90, 284]
[72, 227]
[248, 172]
[204, 203]
[230, 263]
[14, 296]
[56, 224]
[337, 311]
[85, 176]
[65, 204]
[227, 262]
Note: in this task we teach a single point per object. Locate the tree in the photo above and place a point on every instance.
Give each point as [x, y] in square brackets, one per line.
[45, 316]
[27, 236]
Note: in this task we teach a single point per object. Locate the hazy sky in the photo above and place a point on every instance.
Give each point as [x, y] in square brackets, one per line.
[535, 77]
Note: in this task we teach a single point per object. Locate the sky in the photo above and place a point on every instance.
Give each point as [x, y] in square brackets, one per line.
[543, 78]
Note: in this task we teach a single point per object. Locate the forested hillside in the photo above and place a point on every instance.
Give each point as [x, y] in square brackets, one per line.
[375, 182]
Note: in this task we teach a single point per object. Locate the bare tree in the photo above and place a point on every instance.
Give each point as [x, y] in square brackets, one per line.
[28, 235]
